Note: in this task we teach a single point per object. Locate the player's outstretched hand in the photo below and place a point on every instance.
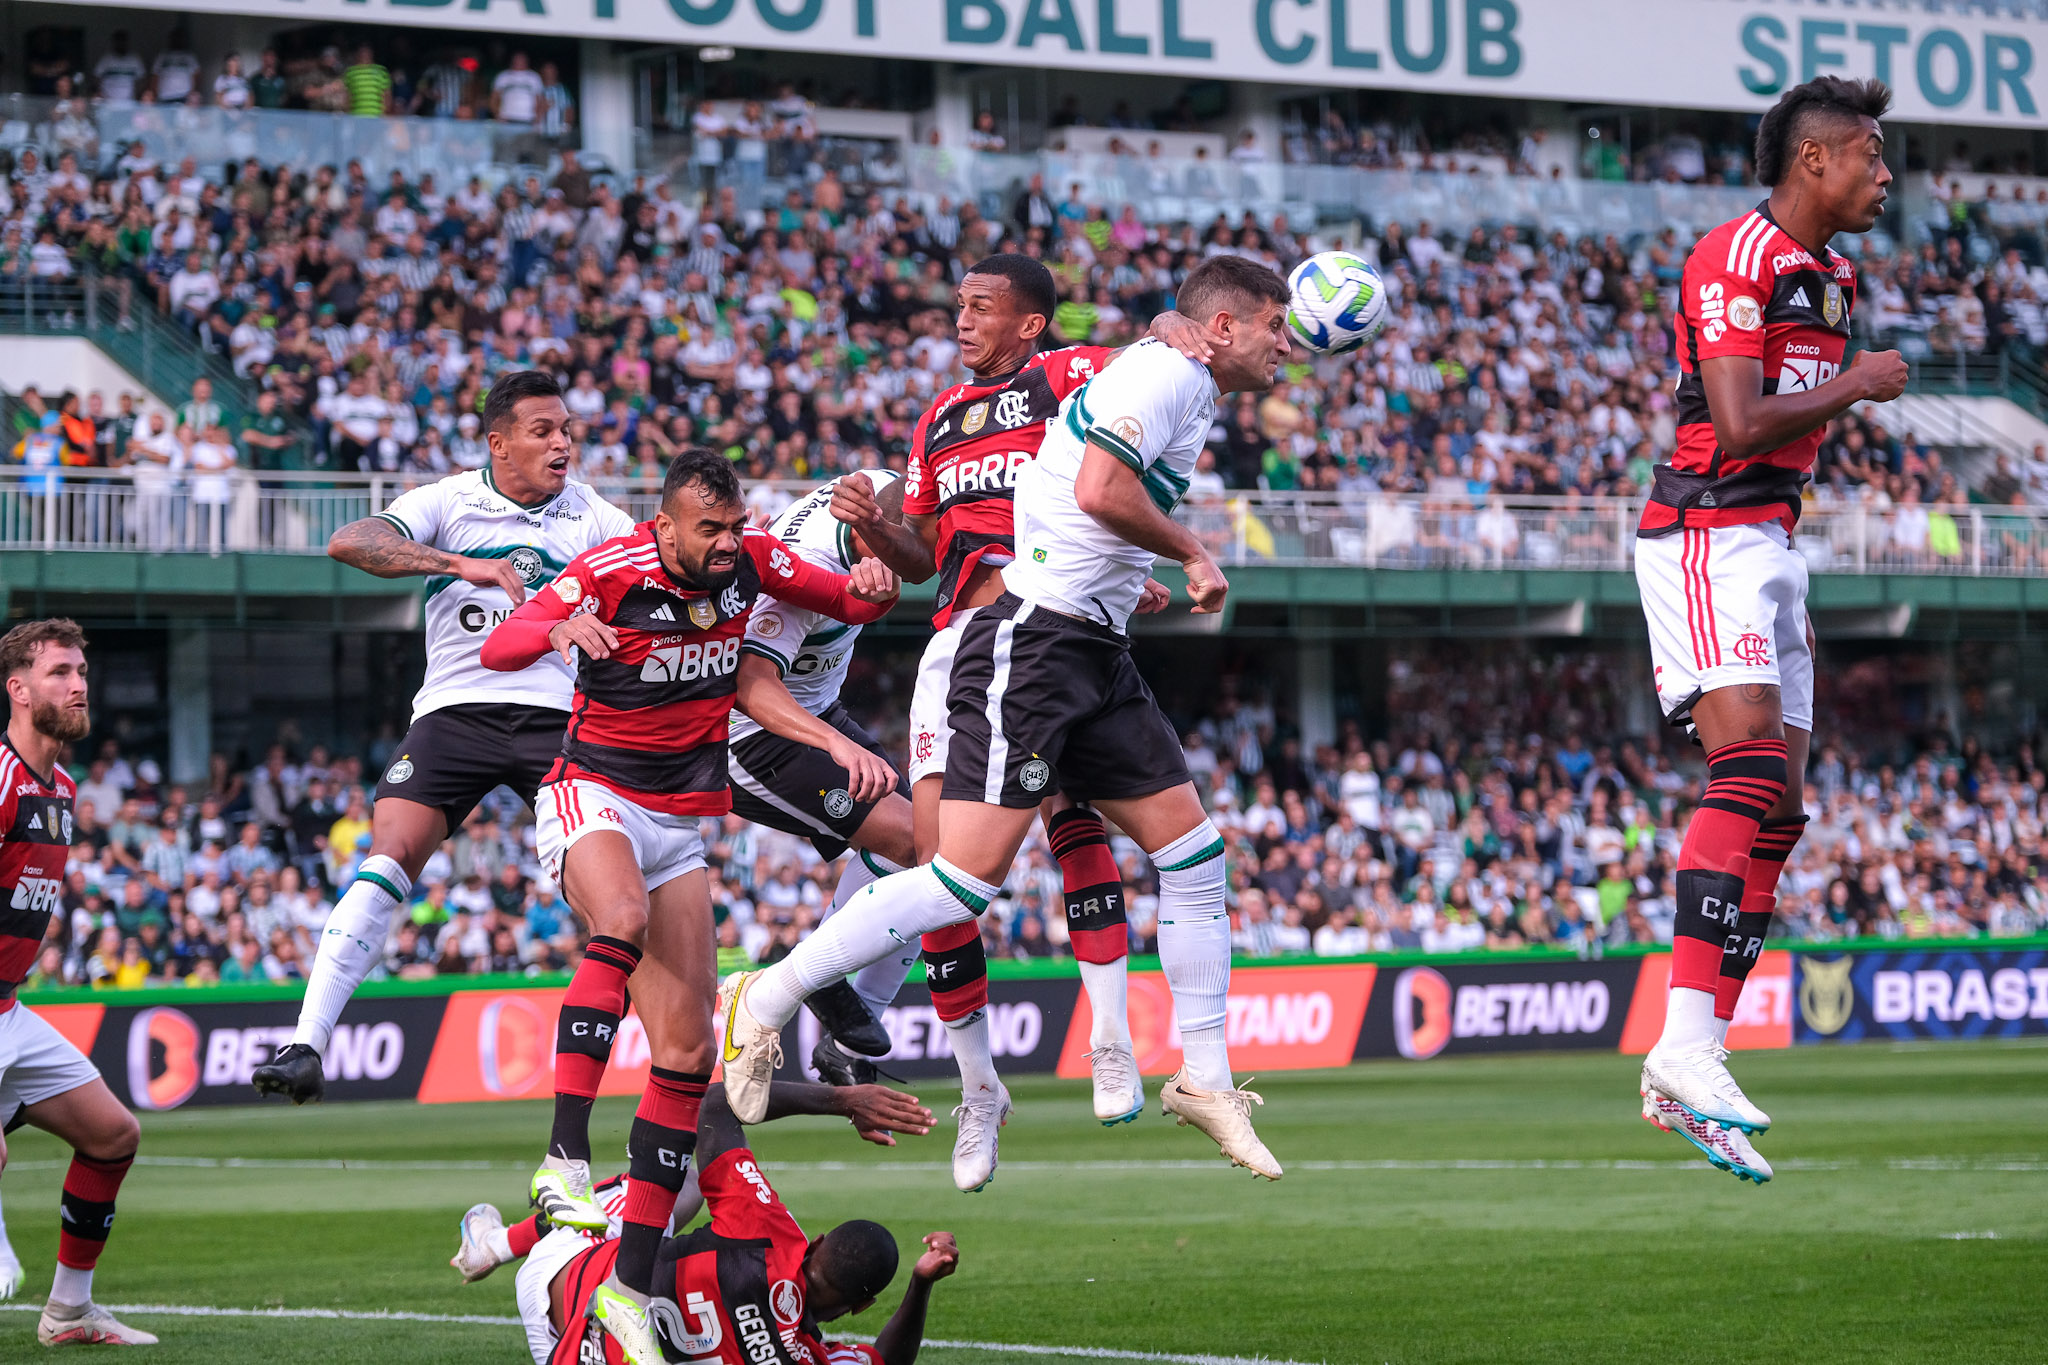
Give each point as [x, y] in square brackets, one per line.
[1206, 584]
[853, 502]
[1153, 597]
[1883, 374]
[941, 1257]
[873, 581]
[1185, 335]
[584, 632]
[485, 572]
[868, 775]
[876, 1112]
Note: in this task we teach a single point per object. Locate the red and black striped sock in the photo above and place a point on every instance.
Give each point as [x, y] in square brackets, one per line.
[956, 968]
[658, 1155]
[1091, 885]
[584, 1034]
[1744, 780]
[86, 1208]
[1773, 845]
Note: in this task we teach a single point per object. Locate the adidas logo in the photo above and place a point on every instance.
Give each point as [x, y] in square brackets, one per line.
[1799, 299]
[664, 612]
[35, 822]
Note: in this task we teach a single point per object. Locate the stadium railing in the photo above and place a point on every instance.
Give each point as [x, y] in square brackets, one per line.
[75, 509]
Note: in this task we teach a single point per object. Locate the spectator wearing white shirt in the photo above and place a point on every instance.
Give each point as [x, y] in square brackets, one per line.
[119, 73]
[191, 291]
[231, 87]
[516, 93]
[175, 68]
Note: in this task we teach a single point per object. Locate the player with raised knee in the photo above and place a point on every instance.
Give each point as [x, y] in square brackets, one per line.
[956, 523]
[819, 774]
[1764, 325]
[657, 617]
[45, 1081]
[483, 540]
[1045, 698]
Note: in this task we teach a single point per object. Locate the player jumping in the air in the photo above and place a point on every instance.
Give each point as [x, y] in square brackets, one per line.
[1045, 699]
[483, 540]
[658, 617]
[875, 1112]
[818, 774]
[1765, 322]
[965, 455]
[748, 1288]
[44, 1080]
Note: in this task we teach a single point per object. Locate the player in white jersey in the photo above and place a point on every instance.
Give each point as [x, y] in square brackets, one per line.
[835, 789]
[483, 540]
[1045, 699]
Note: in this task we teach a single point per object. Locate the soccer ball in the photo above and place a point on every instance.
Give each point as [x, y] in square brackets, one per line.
[1337, 302]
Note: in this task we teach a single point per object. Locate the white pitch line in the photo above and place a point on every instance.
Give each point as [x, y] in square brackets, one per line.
[482, 1320]
[2024, 1165]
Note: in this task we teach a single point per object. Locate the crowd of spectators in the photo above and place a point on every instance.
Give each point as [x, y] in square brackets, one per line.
[1509, 805]
[803, 339]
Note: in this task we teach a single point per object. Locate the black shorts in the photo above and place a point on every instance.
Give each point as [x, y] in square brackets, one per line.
[454, 757]
[799, 790]
[1043, 702]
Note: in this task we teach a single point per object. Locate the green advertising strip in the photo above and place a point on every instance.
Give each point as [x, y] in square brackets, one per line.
[998, 969]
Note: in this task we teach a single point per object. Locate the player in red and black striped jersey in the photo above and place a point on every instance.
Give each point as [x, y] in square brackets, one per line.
[44, 1079]
[657, 618]
[1764, 324]
[956, 522]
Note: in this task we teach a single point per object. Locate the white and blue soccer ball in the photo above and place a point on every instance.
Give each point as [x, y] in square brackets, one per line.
[1337, 302]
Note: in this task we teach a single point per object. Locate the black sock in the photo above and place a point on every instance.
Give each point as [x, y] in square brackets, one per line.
[571, 1137]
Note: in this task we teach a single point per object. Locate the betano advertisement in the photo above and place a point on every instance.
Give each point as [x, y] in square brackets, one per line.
[498, 1044]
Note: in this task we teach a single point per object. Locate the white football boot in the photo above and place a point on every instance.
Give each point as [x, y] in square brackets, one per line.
[982, 1116]
[561, 1191]
[1697, 1078]
[1119, 1091]
[1226, 1116]
[473, 1256]
[1727, 1149]
[751, 1053]
[87, 1324]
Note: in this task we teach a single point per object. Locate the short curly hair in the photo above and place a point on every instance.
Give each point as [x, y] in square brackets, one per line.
[1801, 110]
[19, 646]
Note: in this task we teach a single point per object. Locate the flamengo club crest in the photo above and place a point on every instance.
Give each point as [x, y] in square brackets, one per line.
[1752, 649]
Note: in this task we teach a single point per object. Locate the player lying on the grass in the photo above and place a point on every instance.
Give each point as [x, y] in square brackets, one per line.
[44, 1080]
[801, 763]
[483, 540]
[657, 618]
[956, 525]
[749, 1286]
[1765, 307]
[1045, 698]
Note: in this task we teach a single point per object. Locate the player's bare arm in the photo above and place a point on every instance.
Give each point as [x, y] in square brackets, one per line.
[763, 696]
[1749, 422]
[907, 543]
[1108, 490]
[901, 1337]
[1181, 332]
[377, 547]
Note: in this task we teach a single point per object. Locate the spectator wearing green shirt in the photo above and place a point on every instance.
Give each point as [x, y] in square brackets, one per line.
[201, 413]
[368, 85]
[265, 440]
[244, 966]
[268, 87]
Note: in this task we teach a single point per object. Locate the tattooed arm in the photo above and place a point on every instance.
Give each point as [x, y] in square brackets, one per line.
[377, 547]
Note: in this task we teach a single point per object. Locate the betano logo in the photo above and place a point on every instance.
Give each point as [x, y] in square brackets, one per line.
[1422, 1013]
[163, 1058]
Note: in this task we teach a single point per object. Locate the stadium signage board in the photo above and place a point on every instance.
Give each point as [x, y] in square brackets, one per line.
[1449, 1008]
[1919, 995]
[1946, 67]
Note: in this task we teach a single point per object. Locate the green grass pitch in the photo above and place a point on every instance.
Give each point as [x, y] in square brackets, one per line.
[1908, 1222]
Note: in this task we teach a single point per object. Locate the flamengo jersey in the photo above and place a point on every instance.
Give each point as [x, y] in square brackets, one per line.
[650, 721]
[36, 818]
[732, 1292]
[465, 514]
[1749, 290]
[809, 649]
[1152, 410]
[967, 449]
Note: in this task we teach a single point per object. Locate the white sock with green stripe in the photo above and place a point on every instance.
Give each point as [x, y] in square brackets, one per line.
[885, 920]
[352, 947]
[1194, 950]
[878, 982]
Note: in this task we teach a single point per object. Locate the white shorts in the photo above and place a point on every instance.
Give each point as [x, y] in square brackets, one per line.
[931, 728]
[666, 846]
[37, 1063]
[1726, 605]
[530, 1287]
